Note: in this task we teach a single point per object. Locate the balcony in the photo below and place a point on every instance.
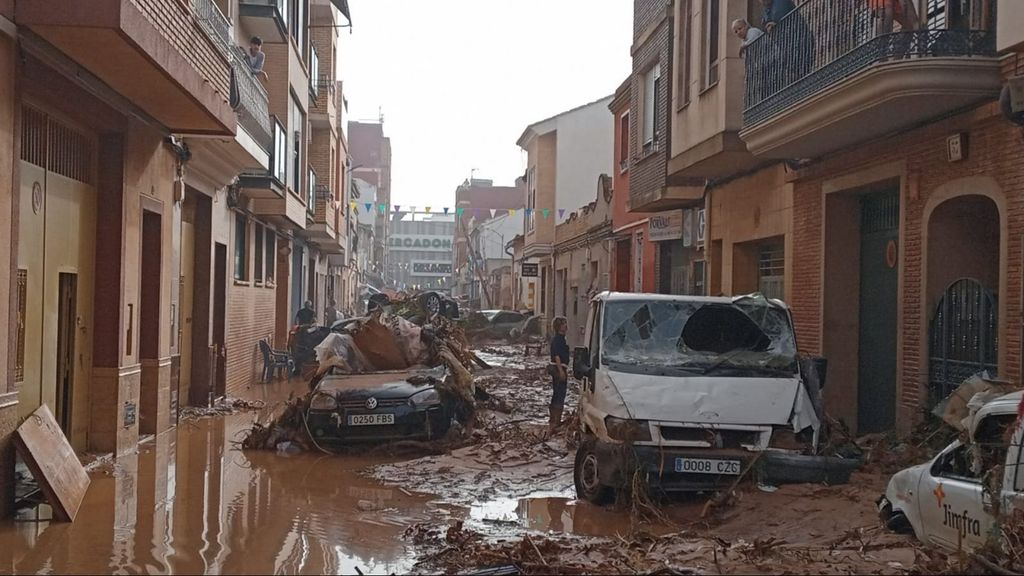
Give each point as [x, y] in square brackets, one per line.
[263, 184]
[267, 19]
[324, 230]
[159, 54]
[833, 74]
[324, 111]
[249, 98]
[667, 198]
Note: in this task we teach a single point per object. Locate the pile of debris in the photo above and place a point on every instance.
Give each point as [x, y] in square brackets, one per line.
[223, 407]
[456, 549]
[384, 341]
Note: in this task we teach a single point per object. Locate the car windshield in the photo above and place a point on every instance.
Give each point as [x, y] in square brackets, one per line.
[712, 338]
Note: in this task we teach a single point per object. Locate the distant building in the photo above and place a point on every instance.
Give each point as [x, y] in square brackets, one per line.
[481, 201]
[489, 266]
[565, 155]
[420, 252]
[370, 154]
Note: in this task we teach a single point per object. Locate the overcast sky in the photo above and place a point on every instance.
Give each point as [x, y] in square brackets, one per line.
[459, 80]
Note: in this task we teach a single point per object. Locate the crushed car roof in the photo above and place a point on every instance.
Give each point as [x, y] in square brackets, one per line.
[636, 297]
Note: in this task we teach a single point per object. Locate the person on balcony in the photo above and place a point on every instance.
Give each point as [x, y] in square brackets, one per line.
[794, 38]
[255, 57]
[745, 32]
[901, 12]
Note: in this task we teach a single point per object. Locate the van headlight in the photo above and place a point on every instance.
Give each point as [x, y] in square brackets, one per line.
[425, 398]
[323, 402]
[627, 430]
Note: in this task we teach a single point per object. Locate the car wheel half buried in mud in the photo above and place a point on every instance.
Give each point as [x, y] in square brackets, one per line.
[587, 477]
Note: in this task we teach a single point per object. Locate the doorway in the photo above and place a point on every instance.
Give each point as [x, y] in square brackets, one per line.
[961, 295]
[56, 263]
[220, 282]
[149, 322]
[879, 280]
[66, 326]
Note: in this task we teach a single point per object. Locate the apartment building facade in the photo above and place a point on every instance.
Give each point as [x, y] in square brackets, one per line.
[565, 155]
[633, 257]
[137, 134]
[871, 184]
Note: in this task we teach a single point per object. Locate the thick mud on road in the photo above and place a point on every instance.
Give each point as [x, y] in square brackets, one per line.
[192, 502]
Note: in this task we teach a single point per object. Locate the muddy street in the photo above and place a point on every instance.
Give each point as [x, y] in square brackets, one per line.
[191, 501]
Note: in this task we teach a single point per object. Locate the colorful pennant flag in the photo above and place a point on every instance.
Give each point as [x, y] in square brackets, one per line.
[383, 208]
[528, 212]
[352, 206]
[427, 209]
[368, 206]
[397, 208]
[412, 208]
[458, 211]
[493, 212]
[561, 212]
[512, 212]
[546, 212]
[446, 210]
[476, 212]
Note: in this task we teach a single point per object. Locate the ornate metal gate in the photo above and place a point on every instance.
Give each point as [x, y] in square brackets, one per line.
[963, 336]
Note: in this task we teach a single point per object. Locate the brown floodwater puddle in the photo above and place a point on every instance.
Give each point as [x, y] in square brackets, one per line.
[190, 502]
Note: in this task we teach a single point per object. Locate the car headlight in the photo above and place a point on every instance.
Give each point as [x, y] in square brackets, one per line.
[425, 398]
[323, 402]
[627, 430]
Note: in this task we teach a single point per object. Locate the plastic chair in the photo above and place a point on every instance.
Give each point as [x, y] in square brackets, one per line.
[274, 361]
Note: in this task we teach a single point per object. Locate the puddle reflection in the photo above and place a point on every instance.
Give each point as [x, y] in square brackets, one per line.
[551, 512]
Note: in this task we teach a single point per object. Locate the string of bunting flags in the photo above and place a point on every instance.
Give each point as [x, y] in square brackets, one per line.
[383, 209]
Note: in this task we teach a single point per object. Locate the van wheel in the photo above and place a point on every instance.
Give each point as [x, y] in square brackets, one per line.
[586, 475]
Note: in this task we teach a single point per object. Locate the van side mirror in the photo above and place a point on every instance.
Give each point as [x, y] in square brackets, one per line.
[580, 362]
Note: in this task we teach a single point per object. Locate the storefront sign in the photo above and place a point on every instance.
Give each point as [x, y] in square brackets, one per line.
[421, 243]
[431, 269]
[666, 226]
[529, 270]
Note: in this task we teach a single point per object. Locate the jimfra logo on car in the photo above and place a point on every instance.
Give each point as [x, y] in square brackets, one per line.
[963, 523]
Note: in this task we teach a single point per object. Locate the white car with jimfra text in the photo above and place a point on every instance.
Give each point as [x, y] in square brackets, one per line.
[945, 502]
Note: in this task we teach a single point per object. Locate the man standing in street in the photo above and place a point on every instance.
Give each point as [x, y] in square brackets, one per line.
[559, 371]
[306, 315]
[331, 314]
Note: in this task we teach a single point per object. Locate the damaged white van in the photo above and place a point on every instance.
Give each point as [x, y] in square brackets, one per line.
[688, 391]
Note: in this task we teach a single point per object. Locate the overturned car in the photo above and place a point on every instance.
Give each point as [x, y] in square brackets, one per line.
[690, 391]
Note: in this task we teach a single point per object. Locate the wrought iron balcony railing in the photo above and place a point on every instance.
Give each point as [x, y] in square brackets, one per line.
[216, 25]
[823, 42]
[324, 192]
[249, 98]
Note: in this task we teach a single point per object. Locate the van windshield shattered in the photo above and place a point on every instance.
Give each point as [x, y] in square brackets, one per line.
[748, 335]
